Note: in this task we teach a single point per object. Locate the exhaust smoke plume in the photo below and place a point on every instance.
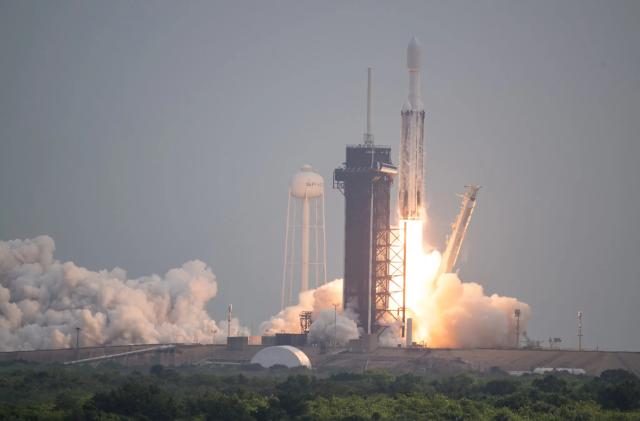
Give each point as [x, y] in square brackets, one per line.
[320, 302]
[448, 312]
[463, 316]
[43, 300]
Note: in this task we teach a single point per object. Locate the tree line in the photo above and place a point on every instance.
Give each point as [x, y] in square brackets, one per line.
[108, 392]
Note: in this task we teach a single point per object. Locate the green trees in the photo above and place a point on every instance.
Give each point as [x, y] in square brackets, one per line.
[137, 397]
[618, 389]
[294, 394]
[36, 392]
[500, 387]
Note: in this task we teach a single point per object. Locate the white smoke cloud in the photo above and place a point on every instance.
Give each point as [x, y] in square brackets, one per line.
[461, 315]
[43, 300]
[326, 326]
[451, 313]
[454, 314]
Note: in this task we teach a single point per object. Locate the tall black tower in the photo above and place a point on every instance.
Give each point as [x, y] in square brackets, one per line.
[365, 180]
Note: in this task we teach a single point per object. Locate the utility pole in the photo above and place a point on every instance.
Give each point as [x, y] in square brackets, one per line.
[335, 325]
[230, 310]
[579, 331]
[517, 314]
[77, 343]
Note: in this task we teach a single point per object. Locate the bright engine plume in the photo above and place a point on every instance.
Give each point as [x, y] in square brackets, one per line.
[446, 312]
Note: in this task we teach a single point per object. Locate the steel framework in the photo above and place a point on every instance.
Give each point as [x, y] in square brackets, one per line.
[305, 321]
[389, 275]
[365, 180]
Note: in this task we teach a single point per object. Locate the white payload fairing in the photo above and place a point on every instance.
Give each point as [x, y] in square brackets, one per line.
[411, 171]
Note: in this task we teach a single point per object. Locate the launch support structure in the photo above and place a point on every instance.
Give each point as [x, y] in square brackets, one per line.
[365, 180]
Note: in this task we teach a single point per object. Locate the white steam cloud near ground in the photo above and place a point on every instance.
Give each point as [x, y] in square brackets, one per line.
[454, 314]
[329, 324]
[43, 300]
[459, 314]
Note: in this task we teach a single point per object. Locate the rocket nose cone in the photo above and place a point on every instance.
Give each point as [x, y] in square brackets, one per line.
[413, 54]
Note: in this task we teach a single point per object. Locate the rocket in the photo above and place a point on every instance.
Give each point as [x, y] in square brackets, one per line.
[411, 171]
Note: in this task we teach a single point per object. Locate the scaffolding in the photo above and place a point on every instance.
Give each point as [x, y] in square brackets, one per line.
[305, 321]
[365, 180]
[389, 276]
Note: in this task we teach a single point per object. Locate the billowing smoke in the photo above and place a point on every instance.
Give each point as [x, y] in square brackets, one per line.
[43, 300]
[459, 314]
[450, 313]
[327, 326]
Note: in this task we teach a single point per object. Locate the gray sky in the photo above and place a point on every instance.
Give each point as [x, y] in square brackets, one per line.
[144, 134]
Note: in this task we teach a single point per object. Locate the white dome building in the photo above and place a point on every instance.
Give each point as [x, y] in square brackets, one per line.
[286, 355]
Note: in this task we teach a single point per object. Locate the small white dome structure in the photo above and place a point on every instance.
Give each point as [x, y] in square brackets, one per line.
[286, 355]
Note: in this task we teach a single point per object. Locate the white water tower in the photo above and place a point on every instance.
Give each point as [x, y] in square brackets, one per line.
[305, 244]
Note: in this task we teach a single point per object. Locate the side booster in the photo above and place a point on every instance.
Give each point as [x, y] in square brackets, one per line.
[411, 171]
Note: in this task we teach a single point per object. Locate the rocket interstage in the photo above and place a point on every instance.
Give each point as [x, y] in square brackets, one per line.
[411, 171]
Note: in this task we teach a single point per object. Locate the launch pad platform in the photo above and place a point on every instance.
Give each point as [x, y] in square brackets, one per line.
[423, 361]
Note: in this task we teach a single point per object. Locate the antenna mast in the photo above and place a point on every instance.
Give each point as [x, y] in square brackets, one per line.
[368, 136]
[229, 311]
[579, 331]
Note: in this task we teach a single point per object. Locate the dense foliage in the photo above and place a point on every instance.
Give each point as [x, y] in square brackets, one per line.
[34, 392]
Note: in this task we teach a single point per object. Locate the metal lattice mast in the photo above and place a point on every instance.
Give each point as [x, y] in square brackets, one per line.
[305, 321]
[579, 331]
[390, 279]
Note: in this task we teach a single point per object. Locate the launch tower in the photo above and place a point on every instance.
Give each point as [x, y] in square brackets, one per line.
[365, 180]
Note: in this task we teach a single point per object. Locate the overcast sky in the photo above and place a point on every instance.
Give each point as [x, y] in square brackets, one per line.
[145, 134]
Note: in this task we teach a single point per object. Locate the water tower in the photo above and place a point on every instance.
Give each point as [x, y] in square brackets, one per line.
[305, 244]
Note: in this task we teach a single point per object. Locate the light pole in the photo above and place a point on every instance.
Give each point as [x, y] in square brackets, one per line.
[335, 325]
[517, 314]
[579, 331]
[229, 311]
[77, 343]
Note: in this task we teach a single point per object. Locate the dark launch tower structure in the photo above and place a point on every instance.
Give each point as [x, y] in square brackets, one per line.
[365, 181]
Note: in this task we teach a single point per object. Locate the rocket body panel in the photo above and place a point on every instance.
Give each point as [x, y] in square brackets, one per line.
[411, 170]
[458, 231]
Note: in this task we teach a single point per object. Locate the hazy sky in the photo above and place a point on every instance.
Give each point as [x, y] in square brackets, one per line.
[145, 134]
